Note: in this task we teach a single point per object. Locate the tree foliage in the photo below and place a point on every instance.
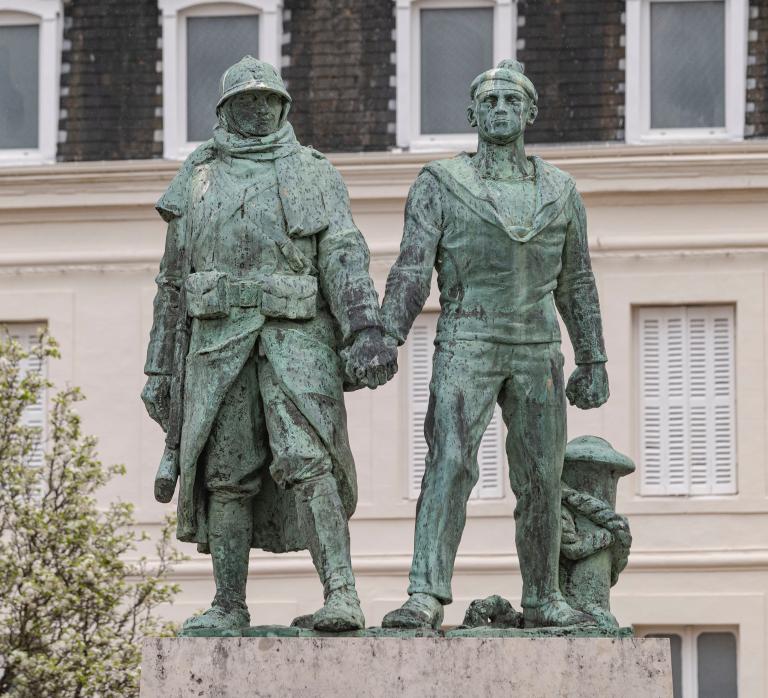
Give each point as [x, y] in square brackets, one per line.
[73, 608]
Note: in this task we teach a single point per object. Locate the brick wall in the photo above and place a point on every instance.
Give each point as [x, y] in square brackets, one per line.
[339, 71]
[573, 52]
[110, 84]
[757, 71]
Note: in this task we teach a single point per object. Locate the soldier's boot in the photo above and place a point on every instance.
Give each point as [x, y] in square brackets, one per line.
[322, 516]
[230, 524]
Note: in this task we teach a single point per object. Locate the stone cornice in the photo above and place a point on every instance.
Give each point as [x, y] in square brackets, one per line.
[600, 170]
[365, 565]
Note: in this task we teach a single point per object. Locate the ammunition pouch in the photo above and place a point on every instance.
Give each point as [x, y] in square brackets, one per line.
[211, 294]
[207, 295]
[292, 296]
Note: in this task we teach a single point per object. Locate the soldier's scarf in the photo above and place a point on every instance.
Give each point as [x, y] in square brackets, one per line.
[298, 187]
[297, 184]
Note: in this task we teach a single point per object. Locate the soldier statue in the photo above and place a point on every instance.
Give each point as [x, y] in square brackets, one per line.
[507, 235]
[264, 281]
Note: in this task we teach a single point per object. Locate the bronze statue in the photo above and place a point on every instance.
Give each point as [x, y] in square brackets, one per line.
[507, 235]
[263, 282]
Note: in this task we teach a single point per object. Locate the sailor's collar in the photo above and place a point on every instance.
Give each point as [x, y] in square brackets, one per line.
[552, 186]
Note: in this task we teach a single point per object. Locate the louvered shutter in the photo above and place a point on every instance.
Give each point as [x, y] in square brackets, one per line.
[676, 432]
[687, 400]
[651, 446]
[419, 372]
[25, 333]
[491, 459]
[723, 402]
[712, 400]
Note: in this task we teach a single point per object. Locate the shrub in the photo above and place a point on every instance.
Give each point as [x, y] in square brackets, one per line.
[72, 608]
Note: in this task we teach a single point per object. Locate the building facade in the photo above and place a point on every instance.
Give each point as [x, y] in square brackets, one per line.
[658, 108]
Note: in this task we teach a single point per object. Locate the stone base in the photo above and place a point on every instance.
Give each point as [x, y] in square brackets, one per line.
[461, 631]
[418, 667]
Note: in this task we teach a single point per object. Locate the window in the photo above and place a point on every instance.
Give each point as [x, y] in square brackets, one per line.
[490, 458]
[200, 41]
[686, 380]
[686, 69]
[704, 660]
[442, 45]
[26, 334]
[29, 80]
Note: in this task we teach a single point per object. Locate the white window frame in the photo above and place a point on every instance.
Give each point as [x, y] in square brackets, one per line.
[689, 658]
[47, 15]
[408, 72]
[176, 146]
[638, 77]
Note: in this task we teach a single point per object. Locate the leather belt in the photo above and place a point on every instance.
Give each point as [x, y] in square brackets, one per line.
[244, 293]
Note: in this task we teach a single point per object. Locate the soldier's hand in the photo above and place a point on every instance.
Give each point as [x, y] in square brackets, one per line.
[157, 399]
[372, 358]
[588, 386]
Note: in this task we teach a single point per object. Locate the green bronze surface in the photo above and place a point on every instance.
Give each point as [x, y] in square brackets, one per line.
[507, 235]
[263, 284]
[400, 633]
[266, 313]
[595, 540]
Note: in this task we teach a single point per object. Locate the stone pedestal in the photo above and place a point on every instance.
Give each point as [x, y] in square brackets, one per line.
[419, 667]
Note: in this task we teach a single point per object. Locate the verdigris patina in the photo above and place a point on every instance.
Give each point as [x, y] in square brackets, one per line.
[596, 540]
[263, 281]
[507, 235]
[594, 548]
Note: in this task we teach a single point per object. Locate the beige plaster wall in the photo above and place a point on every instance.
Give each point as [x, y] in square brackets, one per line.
[79, 247]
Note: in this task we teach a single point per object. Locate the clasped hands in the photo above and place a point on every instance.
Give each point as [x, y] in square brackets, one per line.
[371, 360]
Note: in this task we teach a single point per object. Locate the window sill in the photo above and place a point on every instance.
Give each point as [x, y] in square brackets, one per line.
[181, 152]
[20, 156]
[692, 136]
[443, 143]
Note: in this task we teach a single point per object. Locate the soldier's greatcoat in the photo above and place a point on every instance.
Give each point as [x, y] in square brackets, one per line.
[251, 209]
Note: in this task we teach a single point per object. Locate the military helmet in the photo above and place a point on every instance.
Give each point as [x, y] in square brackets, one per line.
[249, 74]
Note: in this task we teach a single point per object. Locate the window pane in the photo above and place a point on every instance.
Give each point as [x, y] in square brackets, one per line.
[676, 643]
[717, 665]
[456, 46]
[687, 64]
[213, 44]
[19, 76]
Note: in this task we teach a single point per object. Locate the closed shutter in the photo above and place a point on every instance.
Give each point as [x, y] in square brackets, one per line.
[25, 333]
[419, 372]
[491, 459]
[687, 398]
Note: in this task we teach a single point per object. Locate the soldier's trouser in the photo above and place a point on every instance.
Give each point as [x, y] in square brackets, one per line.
[468, 378]
[258, 424]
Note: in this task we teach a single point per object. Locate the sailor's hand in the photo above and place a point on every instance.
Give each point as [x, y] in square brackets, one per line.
[588, 386]
[157, 399]
[372, 358]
